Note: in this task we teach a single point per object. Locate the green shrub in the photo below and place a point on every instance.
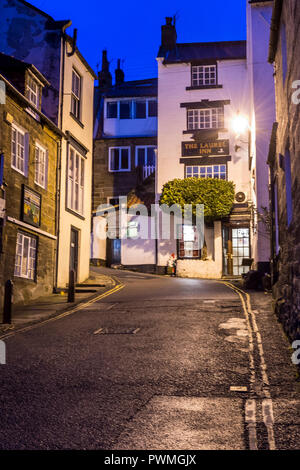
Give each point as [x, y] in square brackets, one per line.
[216, 195]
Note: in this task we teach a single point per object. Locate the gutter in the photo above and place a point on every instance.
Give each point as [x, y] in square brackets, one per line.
[275, 29]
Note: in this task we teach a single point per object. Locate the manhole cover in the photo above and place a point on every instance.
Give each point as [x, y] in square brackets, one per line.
[117, 331]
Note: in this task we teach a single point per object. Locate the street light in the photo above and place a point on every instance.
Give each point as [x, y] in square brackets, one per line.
[239, 124]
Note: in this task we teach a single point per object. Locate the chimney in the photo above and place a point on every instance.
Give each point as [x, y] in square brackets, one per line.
[104, 76]
[168, 34]
[119, 74]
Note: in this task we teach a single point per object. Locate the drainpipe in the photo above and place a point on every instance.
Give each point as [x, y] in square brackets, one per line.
[74, 43]
[57, 209]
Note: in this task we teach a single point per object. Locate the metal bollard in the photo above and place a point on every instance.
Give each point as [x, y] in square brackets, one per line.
[8, 300]
[71, 291]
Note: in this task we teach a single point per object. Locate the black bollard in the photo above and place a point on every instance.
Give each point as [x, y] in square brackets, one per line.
[8, 300]
[71, 291]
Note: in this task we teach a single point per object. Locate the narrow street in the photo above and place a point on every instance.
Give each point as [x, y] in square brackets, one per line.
[162, 363]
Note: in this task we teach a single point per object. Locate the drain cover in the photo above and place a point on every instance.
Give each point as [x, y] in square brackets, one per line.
[116, 331]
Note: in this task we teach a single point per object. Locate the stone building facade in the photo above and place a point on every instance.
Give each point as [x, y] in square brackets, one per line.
[125, 141]
[29, 144]
[284, 164]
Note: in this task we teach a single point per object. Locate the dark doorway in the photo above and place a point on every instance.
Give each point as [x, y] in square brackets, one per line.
[74, 252]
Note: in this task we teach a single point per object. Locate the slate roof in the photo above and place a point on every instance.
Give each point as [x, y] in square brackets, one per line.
[188, 52]
[14, 70]
[147, 87]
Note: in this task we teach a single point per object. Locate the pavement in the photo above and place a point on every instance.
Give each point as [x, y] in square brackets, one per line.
[155, 363]
[50, 306]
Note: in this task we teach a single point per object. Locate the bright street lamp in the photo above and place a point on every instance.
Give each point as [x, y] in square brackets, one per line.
[240, 124]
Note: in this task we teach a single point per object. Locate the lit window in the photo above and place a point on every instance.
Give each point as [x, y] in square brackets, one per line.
[40, 166]
[25, 261]
[119, 159]
[212, 118]
[188, 246]
[75, 181]
[18, 149]
[76, 94]
[204, 75]
[209, 171]
[132, 230]
[33, 91]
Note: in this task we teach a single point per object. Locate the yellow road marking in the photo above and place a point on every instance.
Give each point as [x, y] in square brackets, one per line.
[78, 307]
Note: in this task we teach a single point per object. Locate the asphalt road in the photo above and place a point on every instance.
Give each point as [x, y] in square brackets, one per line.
[152, 366]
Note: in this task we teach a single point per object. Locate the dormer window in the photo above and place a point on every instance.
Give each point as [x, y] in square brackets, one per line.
[33, 91]
[204, 75]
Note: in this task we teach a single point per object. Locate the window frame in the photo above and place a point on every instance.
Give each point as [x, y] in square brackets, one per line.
[110, 158]
[71, 182]
[219, 123]
[204, 66]
[23, 132]
[30, 237]
[45, 151]
[29, 91]
[74, 97]
[181, 240]
[207, 166]
[132, 102]
[144, 147]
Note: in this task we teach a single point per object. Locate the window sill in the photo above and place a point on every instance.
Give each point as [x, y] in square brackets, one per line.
[119, 171]
[77, 120]
[203, 87]
[19, 171]
[203, 131]
[75, 213]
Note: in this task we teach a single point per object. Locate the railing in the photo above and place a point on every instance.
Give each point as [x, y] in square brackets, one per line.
[148, 170]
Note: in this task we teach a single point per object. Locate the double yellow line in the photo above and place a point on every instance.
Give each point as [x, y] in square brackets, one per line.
[78, 307]
[267, 405]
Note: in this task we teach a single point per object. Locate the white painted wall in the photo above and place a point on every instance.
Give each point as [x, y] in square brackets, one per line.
[84, 136]
[172, 83]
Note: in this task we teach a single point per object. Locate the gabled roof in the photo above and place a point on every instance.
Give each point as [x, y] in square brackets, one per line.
[134, 88]
[188, 52]
[14, 70]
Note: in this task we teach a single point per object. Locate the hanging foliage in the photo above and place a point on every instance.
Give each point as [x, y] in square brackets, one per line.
[216, 195]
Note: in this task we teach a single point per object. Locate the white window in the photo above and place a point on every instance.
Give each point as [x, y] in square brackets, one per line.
[145, 156]
[33, 91]
[75, 181]
[207, 171]
[204, 75]
[25, 262]
[119, 159]
[188, 246]
[131, 109]
[18, 150]
[76, 94]
[41, 166]
[211, 118]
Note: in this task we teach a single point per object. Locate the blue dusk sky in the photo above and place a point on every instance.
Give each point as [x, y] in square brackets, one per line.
[130, 30]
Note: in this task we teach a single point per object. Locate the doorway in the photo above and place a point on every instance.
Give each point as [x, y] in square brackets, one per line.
[74, 251]
[236, 248]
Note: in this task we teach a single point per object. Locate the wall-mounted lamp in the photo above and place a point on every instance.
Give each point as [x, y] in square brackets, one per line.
[239, 124]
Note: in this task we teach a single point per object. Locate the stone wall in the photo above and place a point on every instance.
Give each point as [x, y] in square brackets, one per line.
[24, 289]
[106, 184]
[287, 288]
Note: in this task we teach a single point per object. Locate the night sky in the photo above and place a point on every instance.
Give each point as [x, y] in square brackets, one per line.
[130, 29]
